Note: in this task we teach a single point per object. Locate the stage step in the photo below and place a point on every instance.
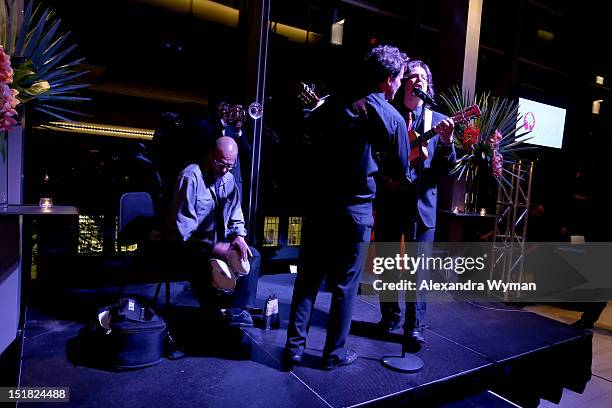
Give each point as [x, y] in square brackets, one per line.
[487, 399]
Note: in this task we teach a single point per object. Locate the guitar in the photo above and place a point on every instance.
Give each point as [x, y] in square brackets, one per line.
[418, 143]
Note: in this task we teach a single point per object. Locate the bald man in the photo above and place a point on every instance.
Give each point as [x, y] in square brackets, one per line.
[207, 218]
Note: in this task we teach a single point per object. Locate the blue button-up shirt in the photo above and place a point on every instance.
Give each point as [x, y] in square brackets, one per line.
[194, 212]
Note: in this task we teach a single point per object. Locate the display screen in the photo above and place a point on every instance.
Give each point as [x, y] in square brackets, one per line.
[546, 123]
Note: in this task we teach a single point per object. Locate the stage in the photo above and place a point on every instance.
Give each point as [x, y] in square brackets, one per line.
[470, 349]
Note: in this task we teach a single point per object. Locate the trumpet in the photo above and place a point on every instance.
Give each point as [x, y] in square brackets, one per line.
[255, 110]
[235, 114]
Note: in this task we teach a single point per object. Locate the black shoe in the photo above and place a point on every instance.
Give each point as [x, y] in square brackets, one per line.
[239, 318]
[213, 318]
[388, 325]
[290, 358]
[345, 358]
[417, 335]
[583, 324]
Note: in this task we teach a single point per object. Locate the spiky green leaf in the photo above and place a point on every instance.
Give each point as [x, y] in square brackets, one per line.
[68, 77]
[34, 36]
[25, 26]
[41, 74]
[55, 46]
[57, 108]
[55, 60]
[54, 114]
[44, 43]
[4, 16]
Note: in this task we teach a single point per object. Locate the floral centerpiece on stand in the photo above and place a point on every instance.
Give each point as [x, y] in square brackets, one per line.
[35, 69]
[34, 64]
[486, 144]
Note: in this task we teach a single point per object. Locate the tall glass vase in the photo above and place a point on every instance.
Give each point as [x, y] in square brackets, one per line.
[3, 169]
[471, 190]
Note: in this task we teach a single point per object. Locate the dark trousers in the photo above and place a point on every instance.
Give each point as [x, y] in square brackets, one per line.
[210, 298]
[336, 247]
[592, 311]
[396, 216]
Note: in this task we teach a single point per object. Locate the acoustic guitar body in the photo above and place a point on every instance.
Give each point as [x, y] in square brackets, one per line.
[419, 152]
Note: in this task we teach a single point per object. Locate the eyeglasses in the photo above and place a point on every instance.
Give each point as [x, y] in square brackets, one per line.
[228, 167]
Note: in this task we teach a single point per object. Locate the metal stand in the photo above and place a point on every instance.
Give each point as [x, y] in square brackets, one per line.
[509, 240]
[407, 363]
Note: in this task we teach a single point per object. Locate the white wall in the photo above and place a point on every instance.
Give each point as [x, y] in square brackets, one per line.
[10, 279]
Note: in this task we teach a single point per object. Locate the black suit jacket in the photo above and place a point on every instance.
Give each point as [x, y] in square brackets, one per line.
[207, 131]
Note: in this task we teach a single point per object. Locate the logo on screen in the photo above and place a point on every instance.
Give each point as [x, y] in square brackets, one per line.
[529, 121]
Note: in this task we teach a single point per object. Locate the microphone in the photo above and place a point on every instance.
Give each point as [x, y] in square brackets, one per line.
[424, 97]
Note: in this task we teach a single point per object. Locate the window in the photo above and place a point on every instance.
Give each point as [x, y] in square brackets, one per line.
[295, 231]
[270, 231]
[122, 248]
[90, 234]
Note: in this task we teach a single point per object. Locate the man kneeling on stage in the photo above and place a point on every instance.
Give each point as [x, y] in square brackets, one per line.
[207, 217]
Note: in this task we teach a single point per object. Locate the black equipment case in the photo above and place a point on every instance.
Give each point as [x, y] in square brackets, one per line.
[136, 336]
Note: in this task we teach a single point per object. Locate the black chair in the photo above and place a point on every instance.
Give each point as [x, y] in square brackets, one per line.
[136, 222]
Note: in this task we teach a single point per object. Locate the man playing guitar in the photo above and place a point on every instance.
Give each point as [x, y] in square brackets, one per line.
[407, 205]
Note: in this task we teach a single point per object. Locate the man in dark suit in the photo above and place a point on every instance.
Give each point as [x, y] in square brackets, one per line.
[228, 120]
[351, 131]
[407, 206]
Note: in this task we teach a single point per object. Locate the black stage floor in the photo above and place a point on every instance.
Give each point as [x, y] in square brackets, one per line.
[471, 348]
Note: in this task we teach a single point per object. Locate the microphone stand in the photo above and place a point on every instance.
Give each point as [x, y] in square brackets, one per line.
[407, 362]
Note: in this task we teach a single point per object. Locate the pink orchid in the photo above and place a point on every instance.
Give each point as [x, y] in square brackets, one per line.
[496, 138]
[9, 95]
[7, 123]
[6, 72]
[497, 163]
[8, 101]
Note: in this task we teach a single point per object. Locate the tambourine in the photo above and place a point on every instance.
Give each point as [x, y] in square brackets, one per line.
[238, 266]
[224, 274]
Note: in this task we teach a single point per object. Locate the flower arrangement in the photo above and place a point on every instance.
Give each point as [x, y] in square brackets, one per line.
[33, 65]
[8, 96]
[489, 142]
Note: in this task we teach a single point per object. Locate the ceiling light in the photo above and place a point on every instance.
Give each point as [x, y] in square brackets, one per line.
[545, 35]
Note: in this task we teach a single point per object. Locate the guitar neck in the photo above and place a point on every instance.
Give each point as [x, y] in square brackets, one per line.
[466, 114]
[418, 141]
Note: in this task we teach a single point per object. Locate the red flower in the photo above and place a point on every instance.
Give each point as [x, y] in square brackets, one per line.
[469, 137]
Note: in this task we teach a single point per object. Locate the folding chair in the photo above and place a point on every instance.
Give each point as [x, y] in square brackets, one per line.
[136, 216]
